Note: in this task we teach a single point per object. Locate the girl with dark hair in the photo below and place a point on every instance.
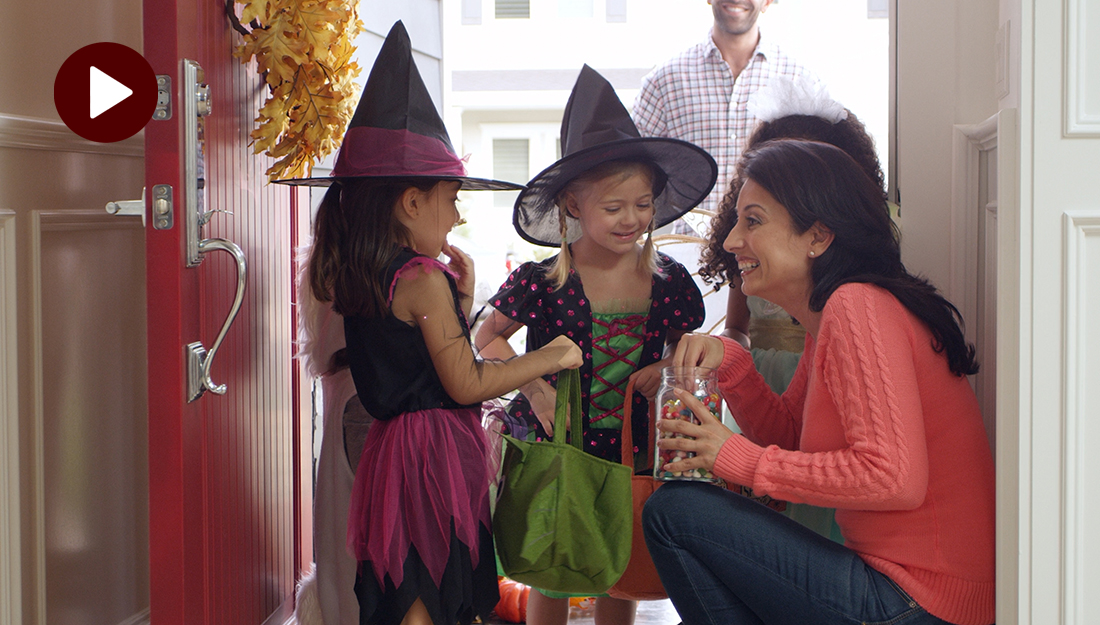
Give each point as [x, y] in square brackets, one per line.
[417, 512]
[879, 422]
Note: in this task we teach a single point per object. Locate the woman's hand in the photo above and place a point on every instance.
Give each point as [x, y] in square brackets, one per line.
[699, 350]
[463, 266]
[705, 439]
[648, 379]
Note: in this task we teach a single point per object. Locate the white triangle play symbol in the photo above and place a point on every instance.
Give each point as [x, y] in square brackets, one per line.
[104, 92]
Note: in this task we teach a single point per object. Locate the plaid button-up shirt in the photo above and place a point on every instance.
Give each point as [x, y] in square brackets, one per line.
[695, 97]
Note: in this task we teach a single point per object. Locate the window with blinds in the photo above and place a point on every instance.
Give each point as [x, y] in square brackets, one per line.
[513, 9]
[511, 163]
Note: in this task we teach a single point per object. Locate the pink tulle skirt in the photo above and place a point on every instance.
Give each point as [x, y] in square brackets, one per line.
[419, 472]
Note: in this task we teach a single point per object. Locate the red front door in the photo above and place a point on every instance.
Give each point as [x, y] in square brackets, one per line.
[225, 475]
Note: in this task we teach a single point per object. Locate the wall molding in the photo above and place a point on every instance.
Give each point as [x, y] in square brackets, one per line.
[53, 221]
[35, 462]
[1081, 309]
[11, 576]
[42, 222]
[33, 133]
[1082, 115]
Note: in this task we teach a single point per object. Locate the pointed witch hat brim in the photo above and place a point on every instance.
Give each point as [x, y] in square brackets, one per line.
[396, 131]
[596, 128]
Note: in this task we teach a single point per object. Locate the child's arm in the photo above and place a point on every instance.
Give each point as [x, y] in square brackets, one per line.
[648, 379]
[463, 267]
[737, 315]
[425, 299]
[492, 343]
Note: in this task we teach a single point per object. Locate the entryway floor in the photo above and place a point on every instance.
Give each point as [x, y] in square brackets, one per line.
[649, 613]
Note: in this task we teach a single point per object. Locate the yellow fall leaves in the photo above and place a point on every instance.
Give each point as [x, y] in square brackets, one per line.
[304, 48]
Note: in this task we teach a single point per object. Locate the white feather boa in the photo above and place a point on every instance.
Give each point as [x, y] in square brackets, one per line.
[307, 604]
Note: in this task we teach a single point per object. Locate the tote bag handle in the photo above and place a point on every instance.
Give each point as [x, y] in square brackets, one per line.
[628, 429]
[568, 405]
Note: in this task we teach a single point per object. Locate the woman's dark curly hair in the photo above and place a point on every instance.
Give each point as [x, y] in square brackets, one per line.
[849, 134]
[819, 184]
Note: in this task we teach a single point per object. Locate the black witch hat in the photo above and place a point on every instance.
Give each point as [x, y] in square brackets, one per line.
[595, 129]
[396, 131]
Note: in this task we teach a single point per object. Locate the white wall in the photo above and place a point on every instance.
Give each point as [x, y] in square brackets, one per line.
[945, 75]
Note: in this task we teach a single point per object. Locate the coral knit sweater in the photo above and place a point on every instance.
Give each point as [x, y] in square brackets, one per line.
[875, 425]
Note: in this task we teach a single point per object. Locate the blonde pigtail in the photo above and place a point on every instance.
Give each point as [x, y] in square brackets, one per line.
[559, 271]
[648, 258]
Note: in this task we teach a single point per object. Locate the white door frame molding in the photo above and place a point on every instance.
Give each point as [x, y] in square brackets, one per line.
[1000, 132]
[1082, 107]
[1058, 347]
[1081, 308]
[970, 142]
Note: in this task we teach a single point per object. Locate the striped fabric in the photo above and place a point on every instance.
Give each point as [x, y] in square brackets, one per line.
[696, 98]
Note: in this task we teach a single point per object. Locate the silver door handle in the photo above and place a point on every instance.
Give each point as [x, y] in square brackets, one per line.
[199, 360]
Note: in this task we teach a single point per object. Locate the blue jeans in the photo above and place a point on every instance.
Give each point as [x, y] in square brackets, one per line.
[725, 559]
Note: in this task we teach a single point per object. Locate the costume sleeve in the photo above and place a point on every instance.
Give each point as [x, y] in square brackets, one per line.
[685, 310]
[520, 298]
[649, 107]
[866, 379]
[427, 296]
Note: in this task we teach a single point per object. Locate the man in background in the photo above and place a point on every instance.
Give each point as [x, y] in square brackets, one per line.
[701, 95]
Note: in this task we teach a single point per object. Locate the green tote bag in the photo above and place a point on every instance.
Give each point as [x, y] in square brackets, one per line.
[564, 518]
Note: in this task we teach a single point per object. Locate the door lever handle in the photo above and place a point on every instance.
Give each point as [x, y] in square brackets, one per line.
[199, 360]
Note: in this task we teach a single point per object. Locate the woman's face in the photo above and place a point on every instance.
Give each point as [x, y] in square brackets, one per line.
[614, 211]
[774, 259]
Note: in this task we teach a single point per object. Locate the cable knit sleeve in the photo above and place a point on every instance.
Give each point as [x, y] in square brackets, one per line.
[764, 417]
[862, 379]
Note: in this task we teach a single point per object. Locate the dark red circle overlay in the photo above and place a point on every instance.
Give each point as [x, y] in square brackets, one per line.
[72, 92]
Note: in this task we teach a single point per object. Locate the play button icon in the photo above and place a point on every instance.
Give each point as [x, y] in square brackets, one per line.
[105, 92]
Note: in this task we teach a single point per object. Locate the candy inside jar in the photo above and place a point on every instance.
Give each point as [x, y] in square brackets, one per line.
[703, 384]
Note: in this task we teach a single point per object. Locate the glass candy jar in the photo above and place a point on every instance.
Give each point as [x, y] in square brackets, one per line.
[703, 384]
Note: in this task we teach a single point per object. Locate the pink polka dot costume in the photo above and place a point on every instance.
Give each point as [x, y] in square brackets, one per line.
[528, 297]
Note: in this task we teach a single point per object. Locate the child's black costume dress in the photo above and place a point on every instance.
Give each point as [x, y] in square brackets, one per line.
[419, 520]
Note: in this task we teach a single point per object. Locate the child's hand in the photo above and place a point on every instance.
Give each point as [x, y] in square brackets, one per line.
[648, 379]
[543, 400]
[568, 355]
[463, 266]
